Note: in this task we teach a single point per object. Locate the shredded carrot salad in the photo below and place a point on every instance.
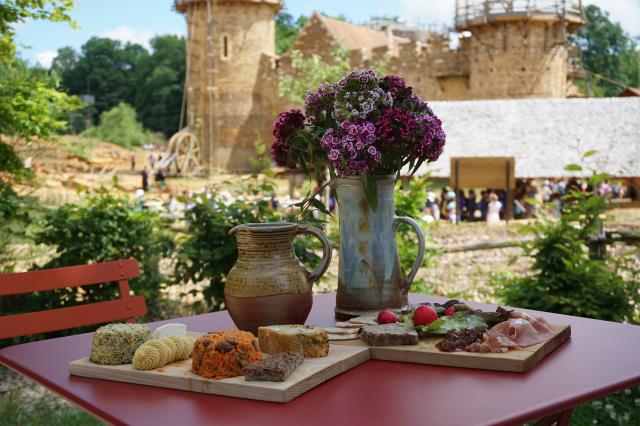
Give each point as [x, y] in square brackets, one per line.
[224, 353]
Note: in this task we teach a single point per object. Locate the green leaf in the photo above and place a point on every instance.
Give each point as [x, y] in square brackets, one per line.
[589, 153]
[370, 190]
[453, 322]
[573, 167]
[318, 205]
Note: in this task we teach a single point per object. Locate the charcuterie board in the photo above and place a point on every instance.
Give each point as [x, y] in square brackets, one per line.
[515, 360]
[178, 375]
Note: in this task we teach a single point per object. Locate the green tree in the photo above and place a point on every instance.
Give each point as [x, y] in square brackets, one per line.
[30, 106]
[287, 30]
[312, 71]
[160, 84]
[18, 11]
[608, 51]
[104, 68]
[119, 125]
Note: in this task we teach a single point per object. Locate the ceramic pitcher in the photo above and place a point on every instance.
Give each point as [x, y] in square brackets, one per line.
[269, 285]
[369, 276]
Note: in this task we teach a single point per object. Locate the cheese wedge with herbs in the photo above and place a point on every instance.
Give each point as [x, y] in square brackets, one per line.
[310, 341]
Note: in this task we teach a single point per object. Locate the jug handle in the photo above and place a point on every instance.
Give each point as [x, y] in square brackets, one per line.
[418, 262]
[326, 247]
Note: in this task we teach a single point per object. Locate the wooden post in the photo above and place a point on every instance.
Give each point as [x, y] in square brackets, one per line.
[455, 190]
[509, 201]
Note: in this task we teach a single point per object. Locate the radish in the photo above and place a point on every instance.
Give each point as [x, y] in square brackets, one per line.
[424, 315]
[387, 317]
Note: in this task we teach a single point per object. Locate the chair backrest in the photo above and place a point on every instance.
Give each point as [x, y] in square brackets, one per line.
[126, 307]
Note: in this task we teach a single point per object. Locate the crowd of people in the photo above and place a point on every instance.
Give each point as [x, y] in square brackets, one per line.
[528, 197]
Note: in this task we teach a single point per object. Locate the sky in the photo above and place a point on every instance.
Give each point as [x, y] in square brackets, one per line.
[140, 20]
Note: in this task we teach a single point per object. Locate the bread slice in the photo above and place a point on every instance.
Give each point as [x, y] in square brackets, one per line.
[309, 341]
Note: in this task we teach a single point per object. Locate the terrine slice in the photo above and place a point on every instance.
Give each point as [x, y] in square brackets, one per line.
[388, 335]
[273, 368]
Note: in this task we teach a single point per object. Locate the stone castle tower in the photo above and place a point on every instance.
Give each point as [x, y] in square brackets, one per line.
[228, 42]
[518, 49]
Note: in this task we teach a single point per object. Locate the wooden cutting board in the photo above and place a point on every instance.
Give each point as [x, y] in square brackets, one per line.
[178, 375]
[515, 360]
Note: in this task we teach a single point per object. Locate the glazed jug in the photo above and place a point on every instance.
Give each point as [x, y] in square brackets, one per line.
[369, 275]
[269, 285]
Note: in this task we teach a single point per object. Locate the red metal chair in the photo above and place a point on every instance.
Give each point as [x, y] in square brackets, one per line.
[126, 307]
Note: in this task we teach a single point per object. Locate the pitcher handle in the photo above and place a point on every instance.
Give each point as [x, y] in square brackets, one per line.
[418, 262]
[326, 247]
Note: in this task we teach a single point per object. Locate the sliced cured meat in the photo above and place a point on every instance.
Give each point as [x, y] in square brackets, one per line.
[513, 333]
[458, 340]
[540, 324]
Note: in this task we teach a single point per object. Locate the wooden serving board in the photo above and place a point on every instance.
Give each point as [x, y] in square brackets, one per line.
[515, 360]
[178, 375]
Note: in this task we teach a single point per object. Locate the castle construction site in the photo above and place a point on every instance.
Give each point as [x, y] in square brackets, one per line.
[514, 49]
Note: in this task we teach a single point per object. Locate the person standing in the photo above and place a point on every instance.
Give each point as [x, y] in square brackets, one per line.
[493, 209]
[152, 161]
[472, 205]
[483, 205]
[145, 179]
[133, 163]
[160, 178]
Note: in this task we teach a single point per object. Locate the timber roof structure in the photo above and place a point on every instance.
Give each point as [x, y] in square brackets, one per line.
[543, 135]
[355, 37]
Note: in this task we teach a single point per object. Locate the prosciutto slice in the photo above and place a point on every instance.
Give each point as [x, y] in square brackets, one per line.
[518, 332]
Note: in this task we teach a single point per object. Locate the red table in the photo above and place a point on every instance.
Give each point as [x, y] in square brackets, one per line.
[600, 358]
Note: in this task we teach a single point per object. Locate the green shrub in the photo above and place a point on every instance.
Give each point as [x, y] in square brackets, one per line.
[566, 279]
[18, 219]
[104, 227]
[119, 125]
[108, 226]
[208, 252]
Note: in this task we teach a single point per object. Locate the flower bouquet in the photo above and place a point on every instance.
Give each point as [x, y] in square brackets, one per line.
[363, 126]
[365, 130]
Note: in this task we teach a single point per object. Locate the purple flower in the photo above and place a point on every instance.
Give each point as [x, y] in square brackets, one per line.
[285, 126]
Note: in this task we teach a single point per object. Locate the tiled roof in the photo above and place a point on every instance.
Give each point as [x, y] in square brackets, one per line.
[355, 37]
[542, 134]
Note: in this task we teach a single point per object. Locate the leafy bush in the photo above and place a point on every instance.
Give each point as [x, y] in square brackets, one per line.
[566, 279]
[208, 252]
[105, 227]
[119, 125]
[409, 201]
[18, 218]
